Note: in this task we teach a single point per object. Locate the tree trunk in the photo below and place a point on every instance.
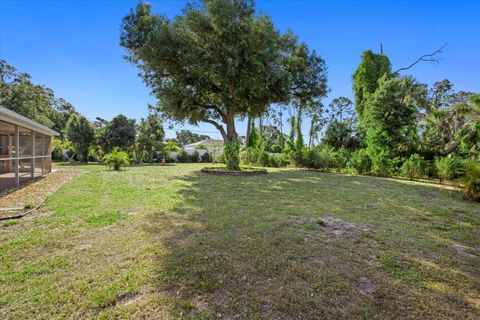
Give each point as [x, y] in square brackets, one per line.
[231, 131]
[282, 144]
[299, 142]
[292, 129]
[260, 127]
[247, 138]
[150, 156]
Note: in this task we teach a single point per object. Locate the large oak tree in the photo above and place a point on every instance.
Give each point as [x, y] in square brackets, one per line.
[216, 62]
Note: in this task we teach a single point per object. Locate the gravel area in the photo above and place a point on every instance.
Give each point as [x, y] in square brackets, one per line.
[31, 194]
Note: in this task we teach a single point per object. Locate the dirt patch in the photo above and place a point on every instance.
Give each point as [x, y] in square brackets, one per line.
[30, 195]
[336, 226]
[466, 250]
[366, 287]
[126, 300]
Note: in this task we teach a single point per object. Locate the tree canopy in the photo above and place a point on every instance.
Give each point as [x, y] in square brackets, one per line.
[120, 132]
[36, 102]
[184, 137]
[217, 61]
[81, 134]
[151, 134]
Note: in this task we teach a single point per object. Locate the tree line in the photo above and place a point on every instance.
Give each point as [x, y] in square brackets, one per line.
[220, 61]
[84, 139]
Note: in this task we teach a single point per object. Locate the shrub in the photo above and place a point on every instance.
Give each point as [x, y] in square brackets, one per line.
[471, 180]
[323, 158]
[195, 156]
[298, 157]
[383, 165]
[448, 168]
[182, 156]
[206, 157]
[414, 167]
[360, 161]
[258, 157]
[340, 158]
[275, 148]
[282, 160]
[57, 149]
[264, 159]
[231, 153]
[250, 156]
[116, 159]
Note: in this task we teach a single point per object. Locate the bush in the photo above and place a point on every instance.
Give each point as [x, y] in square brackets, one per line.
[383, 165]
[231, 153]
[323, 158]
[195, 156]
[341, 158]
[448, 168]
[275, 148]
[182, 156]
[282, 160]
[299, 157]
[471, 180]
[414, 167]
[57, 154]
[116, 159]
[360, 161]
[264, 159]
[206, 157]
[250, 156]
[258, 157]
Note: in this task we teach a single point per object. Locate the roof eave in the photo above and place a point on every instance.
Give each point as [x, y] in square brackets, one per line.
[15, 118]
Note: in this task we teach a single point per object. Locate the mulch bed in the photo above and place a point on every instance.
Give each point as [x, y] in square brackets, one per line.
[31, 194]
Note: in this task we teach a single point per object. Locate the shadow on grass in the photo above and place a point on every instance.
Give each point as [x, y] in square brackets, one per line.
[234, 251]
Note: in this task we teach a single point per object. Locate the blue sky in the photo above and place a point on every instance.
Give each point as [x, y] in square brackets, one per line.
[72, 46]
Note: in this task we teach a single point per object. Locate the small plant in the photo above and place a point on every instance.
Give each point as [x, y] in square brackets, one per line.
[414, 167]
[360, 161]
[383, 165]
[182, 156]
[447, 168]
[116, 159]
[206, 157]
[471, 181]
[231, 154]
[275, 148]
[195, 156]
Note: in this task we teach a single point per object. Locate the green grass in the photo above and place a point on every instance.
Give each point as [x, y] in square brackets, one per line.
[168, 242]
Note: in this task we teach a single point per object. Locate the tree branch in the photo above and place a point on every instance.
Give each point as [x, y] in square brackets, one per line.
[222, 114]
[432, 57]
[219, 128]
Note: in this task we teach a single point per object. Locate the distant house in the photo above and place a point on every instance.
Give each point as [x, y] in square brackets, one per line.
[215, 147]
[25, 149]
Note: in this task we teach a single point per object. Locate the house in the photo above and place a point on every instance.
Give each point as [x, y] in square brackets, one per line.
[25, 149]
[215, 147]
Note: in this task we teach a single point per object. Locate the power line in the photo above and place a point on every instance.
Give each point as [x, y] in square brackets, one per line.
[197, 131]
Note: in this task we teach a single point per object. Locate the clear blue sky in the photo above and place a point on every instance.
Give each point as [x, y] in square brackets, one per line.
[72, 46]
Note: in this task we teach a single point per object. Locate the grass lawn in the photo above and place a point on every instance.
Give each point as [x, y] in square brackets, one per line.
[168, 242]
